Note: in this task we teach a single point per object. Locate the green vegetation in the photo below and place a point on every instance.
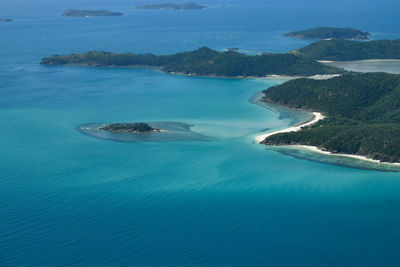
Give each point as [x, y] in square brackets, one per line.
[204, 62]
[363, 114]
[138, 127]
[330, 33]
[89, 13]
[189, 5]
[343, 50]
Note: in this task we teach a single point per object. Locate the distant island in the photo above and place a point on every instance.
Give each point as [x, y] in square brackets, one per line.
[90, 13]
[5, 20]
[138, 127]
[330, 33]
[358, 114]
[232, 49]
[362, 114]
[189, 5]
[344, 50]
[204, 62]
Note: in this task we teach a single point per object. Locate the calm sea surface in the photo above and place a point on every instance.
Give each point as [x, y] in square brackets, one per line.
[70, 199]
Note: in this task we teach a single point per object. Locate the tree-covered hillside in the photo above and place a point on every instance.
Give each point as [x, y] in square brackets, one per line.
[363, 114]
[342, 50]
[330, 33]
[204, 61]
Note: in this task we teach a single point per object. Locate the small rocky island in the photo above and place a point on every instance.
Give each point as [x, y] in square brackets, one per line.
[323, 33]
[90, 13]
[189, 5]
[5, 20]
[143, 132]
[138, 127]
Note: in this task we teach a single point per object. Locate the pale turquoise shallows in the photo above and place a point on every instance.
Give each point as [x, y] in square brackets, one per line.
[67, 199]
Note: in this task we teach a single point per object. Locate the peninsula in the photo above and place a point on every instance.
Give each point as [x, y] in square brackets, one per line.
[203, 62]
[138, 127]
[5, 20]
[344, 50]
[330, 33]
[354, 114]
[362, 114]
[189, 5]
[90, 13]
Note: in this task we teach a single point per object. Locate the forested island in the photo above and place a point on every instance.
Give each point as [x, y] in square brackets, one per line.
[138, 127]
[90, 13]
[362, 110]
[189, 5]
[5, 20]
[343, 50]
[330, 33]
[203, 62]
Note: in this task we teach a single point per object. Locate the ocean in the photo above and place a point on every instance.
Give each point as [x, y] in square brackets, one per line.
[68, 199]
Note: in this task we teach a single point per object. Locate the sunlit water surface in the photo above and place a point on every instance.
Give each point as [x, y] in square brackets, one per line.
[70, 199]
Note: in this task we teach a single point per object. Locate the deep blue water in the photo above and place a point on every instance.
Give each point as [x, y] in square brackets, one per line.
[70, 199]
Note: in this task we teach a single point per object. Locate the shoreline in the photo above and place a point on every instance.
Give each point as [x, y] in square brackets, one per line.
[360, 60]
[365, 65]
[317, 116]
[359, 157]
[315, 77]
[159, 68]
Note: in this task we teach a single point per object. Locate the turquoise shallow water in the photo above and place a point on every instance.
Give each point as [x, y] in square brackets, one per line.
[70, 199]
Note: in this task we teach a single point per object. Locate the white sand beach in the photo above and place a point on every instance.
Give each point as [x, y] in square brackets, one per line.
[317, 150]
[315, 77]
[316, 117]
